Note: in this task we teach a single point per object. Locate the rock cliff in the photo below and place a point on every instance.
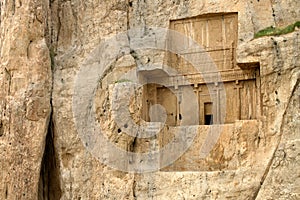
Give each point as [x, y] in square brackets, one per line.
[44, 44]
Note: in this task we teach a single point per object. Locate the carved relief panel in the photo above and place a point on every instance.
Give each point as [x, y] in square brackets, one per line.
[217, 34]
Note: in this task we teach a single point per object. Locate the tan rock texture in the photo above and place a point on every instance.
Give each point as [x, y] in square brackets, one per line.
[44, 43]
[26, 80]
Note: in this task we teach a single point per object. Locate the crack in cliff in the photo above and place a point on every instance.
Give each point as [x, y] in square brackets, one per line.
[49, 184]
[134, 188]
[7, 112]
[279, 140]
[133, 144]
[273, 12]
[59, 10]
[277, 59]
[9, 78]
[13, 7]
[128, 5]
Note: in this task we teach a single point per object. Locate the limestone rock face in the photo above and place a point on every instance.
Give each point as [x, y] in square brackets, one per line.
[45, 44]
[283, 177]
[25, 79]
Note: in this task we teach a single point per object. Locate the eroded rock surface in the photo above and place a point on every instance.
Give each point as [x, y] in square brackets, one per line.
[25, 79]
[43, 44]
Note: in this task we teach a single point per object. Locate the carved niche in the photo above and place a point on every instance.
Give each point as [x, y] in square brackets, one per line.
[217, 35]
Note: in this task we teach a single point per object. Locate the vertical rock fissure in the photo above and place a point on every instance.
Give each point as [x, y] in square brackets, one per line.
[133, 144]
[273, 12]
[13, 7]
[49, 184]
[134, 188]
[128, 5]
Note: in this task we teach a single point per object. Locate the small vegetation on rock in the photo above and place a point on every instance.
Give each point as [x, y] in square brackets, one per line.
[123, 80]
[270, 31]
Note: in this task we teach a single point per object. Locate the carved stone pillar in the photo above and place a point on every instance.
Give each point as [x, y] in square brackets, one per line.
[238, 99]
[217, 114]
[197, 90]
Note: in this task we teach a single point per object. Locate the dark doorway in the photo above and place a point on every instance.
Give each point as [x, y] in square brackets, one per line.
[208, 119]
[208, 114]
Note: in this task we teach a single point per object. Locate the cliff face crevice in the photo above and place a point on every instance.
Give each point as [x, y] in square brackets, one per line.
[49, 183]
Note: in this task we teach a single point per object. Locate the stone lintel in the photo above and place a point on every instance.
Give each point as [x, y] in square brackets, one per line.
[204, 78]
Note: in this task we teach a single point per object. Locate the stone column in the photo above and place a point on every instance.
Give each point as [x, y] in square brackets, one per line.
[238, 99]
[197, 90]
[217, 114]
